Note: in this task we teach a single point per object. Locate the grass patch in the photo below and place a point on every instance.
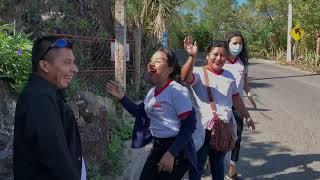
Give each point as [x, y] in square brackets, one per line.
[304, 60]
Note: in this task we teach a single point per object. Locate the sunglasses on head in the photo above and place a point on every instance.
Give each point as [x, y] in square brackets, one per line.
[217, 43]
[59, 43]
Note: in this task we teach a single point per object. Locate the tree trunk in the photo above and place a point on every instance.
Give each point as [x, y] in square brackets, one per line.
[137, 63]
[120, 41]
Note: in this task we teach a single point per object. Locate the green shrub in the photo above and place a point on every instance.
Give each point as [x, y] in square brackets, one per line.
[15, 53]
[121, 131]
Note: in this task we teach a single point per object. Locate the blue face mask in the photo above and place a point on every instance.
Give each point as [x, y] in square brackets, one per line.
[235, 50]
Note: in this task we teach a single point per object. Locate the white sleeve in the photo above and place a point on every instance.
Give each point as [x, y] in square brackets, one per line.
[181, 101]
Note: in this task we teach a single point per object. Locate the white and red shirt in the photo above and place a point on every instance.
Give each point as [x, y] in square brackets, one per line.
[166, 107]
[238, 70]
[223, 87]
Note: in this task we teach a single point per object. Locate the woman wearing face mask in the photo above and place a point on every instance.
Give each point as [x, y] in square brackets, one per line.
[224, 91]
[167, 109]
[237, 64]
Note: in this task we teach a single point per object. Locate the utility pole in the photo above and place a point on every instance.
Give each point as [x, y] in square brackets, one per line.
[120, 42]
[289, 46]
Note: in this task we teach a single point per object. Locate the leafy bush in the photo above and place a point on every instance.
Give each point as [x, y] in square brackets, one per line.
[15, 53]
[120, 132]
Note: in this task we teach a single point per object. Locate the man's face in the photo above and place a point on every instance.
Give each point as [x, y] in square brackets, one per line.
[61, 68]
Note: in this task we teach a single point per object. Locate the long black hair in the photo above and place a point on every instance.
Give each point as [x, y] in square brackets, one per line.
[244, 53]
[216, 43]
[172, 62]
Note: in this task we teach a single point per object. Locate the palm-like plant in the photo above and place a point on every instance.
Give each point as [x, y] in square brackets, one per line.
[161, 11]
[152, 14]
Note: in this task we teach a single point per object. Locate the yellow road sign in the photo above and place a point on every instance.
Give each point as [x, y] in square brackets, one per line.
[297, 32]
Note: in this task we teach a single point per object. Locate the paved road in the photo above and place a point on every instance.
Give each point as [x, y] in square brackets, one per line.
[287, 142]
[286, 145]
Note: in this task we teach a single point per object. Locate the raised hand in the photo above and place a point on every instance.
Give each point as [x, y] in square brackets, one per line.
[114, 89]
[190, 46]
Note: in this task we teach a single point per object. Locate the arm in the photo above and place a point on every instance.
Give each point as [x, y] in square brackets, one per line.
[246, 89]
[186, 115]
[49, 138]
[184, 136]
[134, 109]
[116, 91]
[188, 125]
[239, 105]
[187, 68]
[246, 85]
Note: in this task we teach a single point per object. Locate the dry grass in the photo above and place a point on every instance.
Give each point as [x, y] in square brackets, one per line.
[304, 60]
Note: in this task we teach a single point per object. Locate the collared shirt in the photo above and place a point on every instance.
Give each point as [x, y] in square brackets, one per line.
[223, 87]
[238, 70]
[167, 108]
[46, 138]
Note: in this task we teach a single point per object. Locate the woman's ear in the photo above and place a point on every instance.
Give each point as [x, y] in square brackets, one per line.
[44, 66]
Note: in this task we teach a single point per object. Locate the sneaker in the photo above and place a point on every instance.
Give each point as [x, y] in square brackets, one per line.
[233, 177]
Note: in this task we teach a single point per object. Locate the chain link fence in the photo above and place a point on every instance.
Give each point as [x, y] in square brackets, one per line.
[95, 62]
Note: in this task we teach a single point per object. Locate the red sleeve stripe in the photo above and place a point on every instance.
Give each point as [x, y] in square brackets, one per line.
[236, 94]
[184, 115]
[193, 79]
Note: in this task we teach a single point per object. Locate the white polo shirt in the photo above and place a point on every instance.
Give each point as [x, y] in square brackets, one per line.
[238, 70]
[223, 87]
[165, 107]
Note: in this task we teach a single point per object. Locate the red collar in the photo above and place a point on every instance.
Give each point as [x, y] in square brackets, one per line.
[156, 93]
[215, 72]
[232, 62]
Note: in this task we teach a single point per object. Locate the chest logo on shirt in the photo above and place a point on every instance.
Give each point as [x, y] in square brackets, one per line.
[157, 107]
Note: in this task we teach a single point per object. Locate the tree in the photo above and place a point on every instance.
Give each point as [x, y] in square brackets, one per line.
[148, 18]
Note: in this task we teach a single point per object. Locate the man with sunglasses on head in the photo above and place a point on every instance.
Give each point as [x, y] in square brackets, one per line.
[46, 138]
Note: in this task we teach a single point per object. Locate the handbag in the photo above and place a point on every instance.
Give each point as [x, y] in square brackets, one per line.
[222, 134]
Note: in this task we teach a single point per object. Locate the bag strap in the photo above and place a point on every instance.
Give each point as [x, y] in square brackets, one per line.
[206, 78]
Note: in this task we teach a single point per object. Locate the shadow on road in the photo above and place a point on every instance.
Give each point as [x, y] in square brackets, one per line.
[282, 77]
[272, 161]
[258, 109]
[256, 85]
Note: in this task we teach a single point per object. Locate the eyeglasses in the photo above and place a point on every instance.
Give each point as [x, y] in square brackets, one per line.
[59, 43]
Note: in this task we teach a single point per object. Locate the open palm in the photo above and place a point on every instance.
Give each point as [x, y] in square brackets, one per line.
[190, 46]
[114, 89]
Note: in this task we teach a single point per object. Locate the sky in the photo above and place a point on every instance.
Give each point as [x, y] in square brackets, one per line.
[241, 1]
